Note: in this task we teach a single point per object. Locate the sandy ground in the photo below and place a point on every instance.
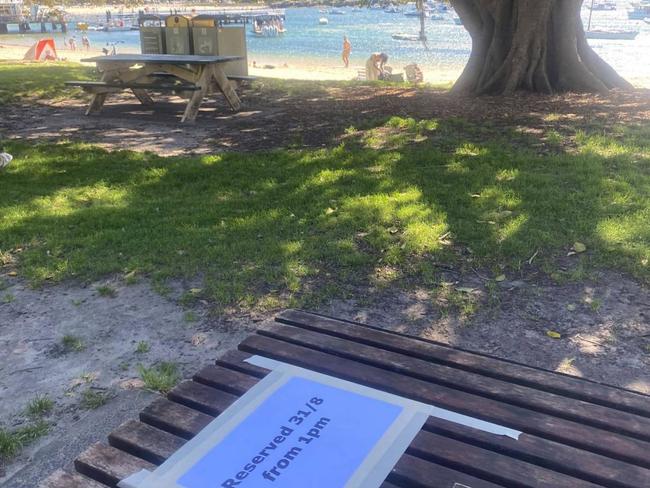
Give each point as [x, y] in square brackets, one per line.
[269, 68]
[35, 363]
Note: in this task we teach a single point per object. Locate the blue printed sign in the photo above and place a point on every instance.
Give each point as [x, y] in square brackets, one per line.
[305, 434]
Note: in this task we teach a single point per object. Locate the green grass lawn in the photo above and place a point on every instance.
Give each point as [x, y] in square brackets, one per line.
[38, 80]
[289, 226]
[304, 224]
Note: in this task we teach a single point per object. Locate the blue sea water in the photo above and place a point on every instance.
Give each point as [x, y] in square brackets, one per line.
[448, 48]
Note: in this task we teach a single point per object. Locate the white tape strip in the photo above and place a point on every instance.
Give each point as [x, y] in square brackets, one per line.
[274, 365]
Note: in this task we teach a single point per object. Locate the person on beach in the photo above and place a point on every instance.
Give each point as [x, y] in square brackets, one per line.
[73, 43]
[85, 42]
[375, 66]
[347, 49]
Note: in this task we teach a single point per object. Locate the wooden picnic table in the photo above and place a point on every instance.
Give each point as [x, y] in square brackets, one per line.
[198, 76]
[575, 433]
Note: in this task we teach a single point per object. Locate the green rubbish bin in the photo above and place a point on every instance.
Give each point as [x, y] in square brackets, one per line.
[178, 35]
[232, 42]
[152, 34]
[205, 35]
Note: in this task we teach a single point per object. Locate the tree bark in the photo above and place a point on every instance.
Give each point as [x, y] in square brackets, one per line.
[534, 45]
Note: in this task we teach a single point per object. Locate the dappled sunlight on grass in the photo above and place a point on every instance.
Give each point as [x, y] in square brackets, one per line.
[39, 80]
[269, 228]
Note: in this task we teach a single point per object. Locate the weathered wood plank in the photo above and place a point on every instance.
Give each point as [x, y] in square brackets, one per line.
[201, 397]
[543, 425]
[109, 465]
[549, 454]
[489, 465]
[226, 87]
[225, 379]
[523, 396]
[194, 103]
[482, 364]
[236, 360]
[175, 418]
[180, 59]
[63, 479]
[145, 441]
[414, 472]
[142, 96]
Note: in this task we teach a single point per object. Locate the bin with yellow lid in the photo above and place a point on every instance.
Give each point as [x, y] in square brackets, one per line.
[178, 34]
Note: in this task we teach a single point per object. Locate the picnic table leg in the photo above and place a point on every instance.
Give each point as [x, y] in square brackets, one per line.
[96, 103]
[225, 87]
[98, 99]
[143, 96]
[203, 82]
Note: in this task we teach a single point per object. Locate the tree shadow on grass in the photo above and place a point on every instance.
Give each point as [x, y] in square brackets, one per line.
[294, 227]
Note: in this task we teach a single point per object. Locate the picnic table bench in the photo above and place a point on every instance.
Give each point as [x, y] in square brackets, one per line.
[197, 77]
[575, 433]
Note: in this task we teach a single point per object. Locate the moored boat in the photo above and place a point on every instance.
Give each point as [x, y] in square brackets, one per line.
[416, 13]
[610, 34]
[406, 37]
[640, 10]
[603, 5]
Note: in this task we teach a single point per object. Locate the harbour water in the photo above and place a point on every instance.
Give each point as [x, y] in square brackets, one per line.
[370, 30]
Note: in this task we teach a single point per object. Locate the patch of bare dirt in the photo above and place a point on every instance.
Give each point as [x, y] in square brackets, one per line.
[603, 324]
[309, 115]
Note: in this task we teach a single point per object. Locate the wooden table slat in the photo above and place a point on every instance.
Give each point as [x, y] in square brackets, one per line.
[175, 418]
[489, 465]
[180, 59]
[109, 465]
[552, 455]
[523, 396]
[201, 397]
[144, 441]
[543, 425]
[63, 479]
[225, 379]
[549, 454]
[479, 363]
[236, 360]
[414, 472]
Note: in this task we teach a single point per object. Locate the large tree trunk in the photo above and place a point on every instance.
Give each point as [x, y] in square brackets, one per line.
[535, 45]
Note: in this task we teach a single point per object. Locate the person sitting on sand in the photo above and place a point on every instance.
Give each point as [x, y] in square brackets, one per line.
[375, 66]
[347, 48]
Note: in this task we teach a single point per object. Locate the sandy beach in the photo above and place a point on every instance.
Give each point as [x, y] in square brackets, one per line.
[258, 66]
